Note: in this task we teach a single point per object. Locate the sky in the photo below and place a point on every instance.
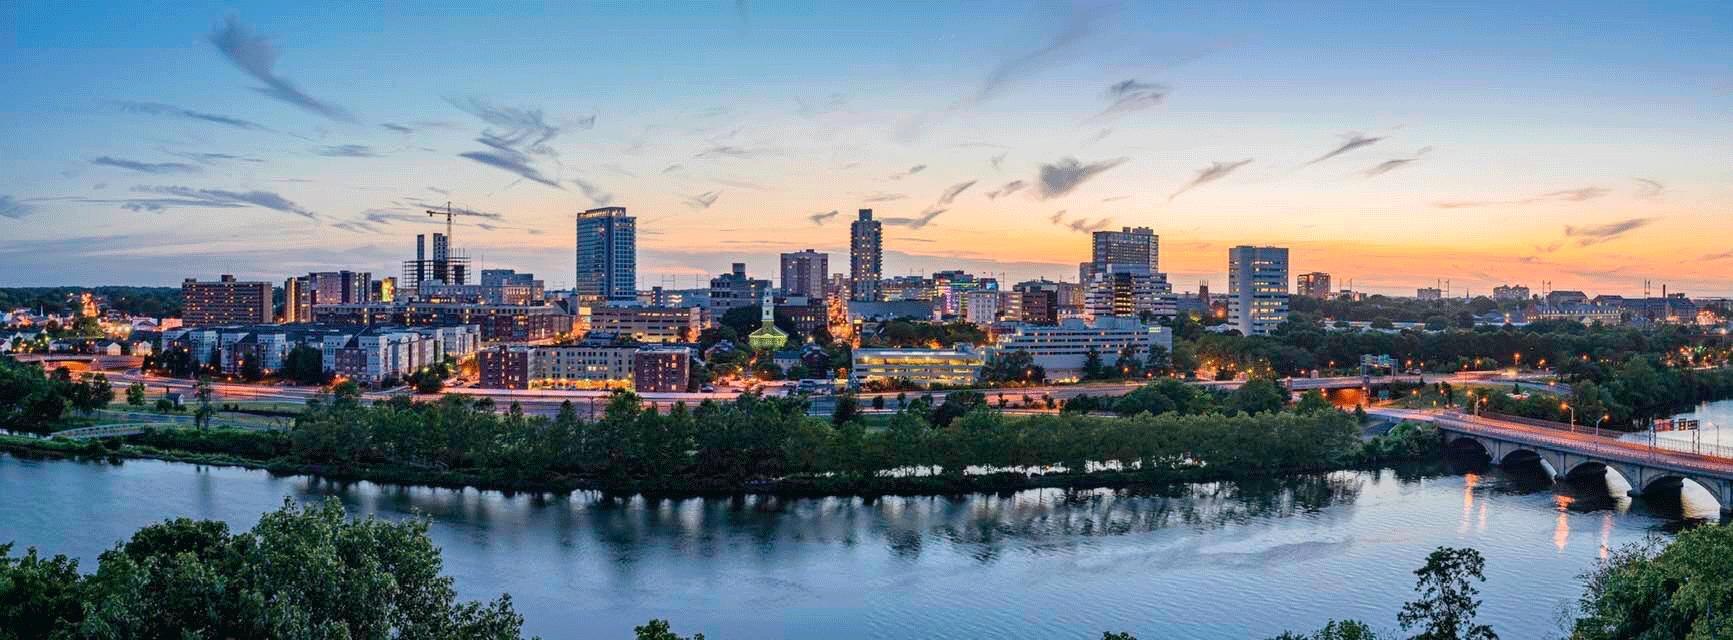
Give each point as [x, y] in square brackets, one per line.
[1588, 145]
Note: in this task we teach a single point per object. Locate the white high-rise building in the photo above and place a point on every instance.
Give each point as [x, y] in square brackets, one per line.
[1257, 288]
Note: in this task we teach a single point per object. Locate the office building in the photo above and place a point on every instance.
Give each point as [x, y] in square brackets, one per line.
[865, 257]
[1130, 246]
[497, 322]
[1562, 297]
[959, 365]
[661, 369]
[1131, 292]
[645, 324]
[1257, 289]
[225, 301]
[607, 255]
[503, 367]
[1575, 311]
[655, 369]
[1313, 285]
[324, 287]
[1429, 293]
[735, 289]
[1034, 302]
[1063, 348]
[804, 273]
[364, 354]
[385, 289]
[1510, 293]
[507, 286]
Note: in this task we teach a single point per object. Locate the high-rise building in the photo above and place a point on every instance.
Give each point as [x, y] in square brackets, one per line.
[865, 257]
[804, 273]
[324, 287]
[1429, 293]
[735, 289]
[440, 268]
[1132, 247]
[607, 255]
[385, 289]
[1257, 288]
[507, 286]
[226, 301]
[1313, 285]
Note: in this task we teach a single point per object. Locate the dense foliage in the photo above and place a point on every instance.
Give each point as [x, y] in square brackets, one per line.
[302, 572]
[1622, 397]
[729, 445]
[1649, 590]
[32, 401]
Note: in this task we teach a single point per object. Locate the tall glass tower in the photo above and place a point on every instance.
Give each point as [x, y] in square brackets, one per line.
[865, 257]
[607, 255]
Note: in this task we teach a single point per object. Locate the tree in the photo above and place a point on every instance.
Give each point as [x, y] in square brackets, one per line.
[1159, 362]
[202, 415]
[879, 402]
[1335, 630]
[847, 409]
[1092, 367]
[659, 630]
[429, 383]
[1258, 395]
[250, 370]
[1645, 590]
[304, 364]
[301, 572]
[1313, 401]
[1446, 606]
[135, 394]
[1382, 322]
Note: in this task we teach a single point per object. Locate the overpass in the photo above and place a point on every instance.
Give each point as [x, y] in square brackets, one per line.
[1568, 451]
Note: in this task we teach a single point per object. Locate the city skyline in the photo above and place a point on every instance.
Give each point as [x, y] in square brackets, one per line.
[148, 142]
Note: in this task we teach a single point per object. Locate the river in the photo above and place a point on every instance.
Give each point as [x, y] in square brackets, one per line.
[1216, 560]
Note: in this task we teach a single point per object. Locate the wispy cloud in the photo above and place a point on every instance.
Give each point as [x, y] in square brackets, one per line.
[1062, 177]
[255, 55]
[1128, 96]
[1647, 188]
[13, 208]
[1058, 217]
[1076, 27]
[188, 196]
[925, 219]
[159, 109]
[1717, 256]
[205, 157]
[821, 218]
[1009, 188]
[158, 168]
[597, 196]
[1212, 173]
[521, 128]
[950, 195]
[1354, 141]
[513, 161]
[702, 200]
[884, 197]
[1083, 225]
[1391, 165]
[729, 151]
[1576, 195]
[998, 162]
[348, 151]
[912, 171]
[1599, 233]
[392, 126]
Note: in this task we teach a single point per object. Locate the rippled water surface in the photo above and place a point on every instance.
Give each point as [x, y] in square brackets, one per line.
[1221, 560]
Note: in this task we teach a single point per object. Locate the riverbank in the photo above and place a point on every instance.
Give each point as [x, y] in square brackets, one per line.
[1394, 446]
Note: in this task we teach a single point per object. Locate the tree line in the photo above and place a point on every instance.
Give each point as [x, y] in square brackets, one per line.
[34, 401]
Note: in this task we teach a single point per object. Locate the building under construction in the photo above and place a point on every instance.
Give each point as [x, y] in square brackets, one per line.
[439, 268]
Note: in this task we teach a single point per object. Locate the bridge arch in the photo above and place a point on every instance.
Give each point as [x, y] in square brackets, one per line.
[1549, 461]
[1675, 486]
[1619, 481]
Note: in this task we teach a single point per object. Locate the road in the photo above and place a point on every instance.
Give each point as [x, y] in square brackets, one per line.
[1562, 437]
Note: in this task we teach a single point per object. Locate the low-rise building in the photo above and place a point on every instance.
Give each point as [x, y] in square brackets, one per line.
[1063, 348]
[497, 322]
[661, 369]
[1584, 313]
[959, 365]
[645, 324]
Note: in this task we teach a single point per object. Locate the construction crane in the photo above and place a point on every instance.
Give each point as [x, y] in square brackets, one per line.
[449, 213]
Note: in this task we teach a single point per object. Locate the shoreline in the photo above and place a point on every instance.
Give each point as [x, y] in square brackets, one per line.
[688, 487]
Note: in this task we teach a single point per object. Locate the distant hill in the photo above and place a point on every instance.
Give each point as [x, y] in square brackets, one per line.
[155, 302]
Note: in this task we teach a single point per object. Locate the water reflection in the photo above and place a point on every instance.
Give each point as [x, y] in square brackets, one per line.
[1160, 561]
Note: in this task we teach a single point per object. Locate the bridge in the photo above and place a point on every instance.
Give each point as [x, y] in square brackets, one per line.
[1568, 451]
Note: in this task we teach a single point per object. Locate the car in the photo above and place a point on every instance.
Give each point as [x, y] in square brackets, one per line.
[709, 388]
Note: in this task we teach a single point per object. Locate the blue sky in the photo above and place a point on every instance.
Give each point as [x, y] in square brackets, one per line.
[1588, 144]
